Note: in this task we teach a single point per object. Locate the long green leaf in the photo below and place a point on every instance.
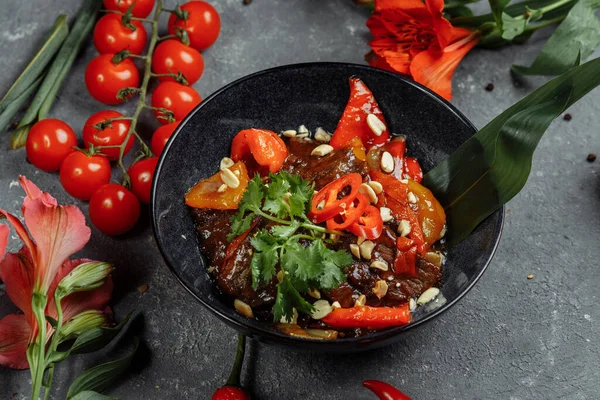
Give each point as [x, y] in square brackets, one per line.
[63, 62]
[90, 395]
[97, 338]
[577, 36]
[14, 106]
[493, 166]
[101, 377]
[38, 63]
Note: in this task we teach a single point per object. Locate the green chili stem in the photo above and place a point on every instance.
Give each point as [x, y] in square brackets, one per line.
[236, 370]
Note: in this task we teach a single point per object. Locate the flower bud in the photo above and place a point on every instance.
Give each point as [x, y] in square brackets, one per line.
[83, 322]
[86, 276]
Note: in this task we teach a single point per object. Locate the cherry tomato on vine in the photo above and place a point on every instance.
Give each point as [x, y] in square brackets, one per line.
[202, 24]
[113, 134]
[49, 142]
[104, 78]
[177, 98]
[141, 174]
[172, 56]
[113, 209]
[141, 9]
[161, 137]
[111, 36]
[82, 174]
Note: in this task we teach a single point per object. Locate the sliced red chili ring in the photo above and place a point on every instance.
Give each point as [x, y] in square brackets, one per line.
[350, 215]
[369, 225]
[326, 205]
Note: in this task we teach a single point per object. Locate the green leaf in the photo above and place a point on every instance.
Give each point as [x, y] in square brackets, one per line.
[53, 323]
[14, 106]
[512, 27]
[333, 264]
[264, 258]
[90, 395]
[577, 36]
[57, 72]
[97, 338]
[38, 63]
[101, 377]
[239, 224]
[492, 167]
[18, 138]
[287, 299]
[459, 11]
[497, 7]
[285, 231]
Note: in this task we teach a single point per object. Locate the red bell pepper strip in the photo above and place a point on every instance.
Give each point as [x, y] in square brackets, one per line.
[392, 187]
[368, 317]
[385, 391]
[403, 211]
[351, 214]
[354, 120]
[369, 225]
[405, 262]
[260, 145]
[413, 169]
[329, 195]
[397, 148]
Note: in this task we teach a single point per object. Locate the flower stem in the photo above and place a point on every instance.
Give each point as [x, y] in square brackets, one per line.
[49, 381]
[544, 24]
[37, 358]
[548, 8]
[142, 92]
[236, 370]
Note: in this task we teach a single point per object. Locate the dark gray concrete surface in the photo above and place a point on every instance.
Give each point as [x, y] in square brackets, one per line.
[510, 338]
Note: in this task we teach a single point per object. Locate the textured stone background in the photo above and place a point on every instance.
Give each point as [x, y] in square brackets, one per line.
[510, 338]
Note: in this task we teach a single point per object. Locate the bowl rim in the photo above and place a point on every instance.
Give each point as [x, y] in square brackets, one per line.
[277, 337]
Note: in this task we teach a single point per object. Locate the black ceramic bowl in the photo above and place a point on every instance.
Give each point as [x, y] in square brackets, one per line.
[283, 98]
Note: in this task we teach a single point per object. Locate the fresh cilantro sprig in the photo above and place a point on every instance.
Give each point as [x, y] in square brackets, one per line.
[294, 243]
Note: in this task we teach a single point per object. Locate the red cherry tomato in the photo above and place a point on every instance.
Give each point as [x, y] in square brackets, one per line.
[141, 174]
[49, 142]
[114, 210]
[177, 98]
[230, 393]
[161, 137]
[202, 24]
[111, 36]
[112, 135]
[81, 174]
[141, 9]
[104, 79]
[172, 56]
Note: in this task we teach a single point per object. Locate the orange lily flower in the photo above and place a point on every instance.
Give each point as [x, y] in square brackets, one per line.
[413, 38]
[56, 233]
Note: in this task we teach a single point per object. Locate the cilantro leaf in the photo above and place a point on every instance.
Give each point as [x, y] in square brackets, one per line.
[285, 231]
[239, 225]
[287, 299]
[264, 259]
[333, 267]
[251, 201]
[276, 196]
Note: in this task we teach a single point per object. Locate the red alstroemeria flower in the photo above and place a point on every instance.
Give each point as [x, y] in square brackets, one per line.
[56, 232]
[413, 38]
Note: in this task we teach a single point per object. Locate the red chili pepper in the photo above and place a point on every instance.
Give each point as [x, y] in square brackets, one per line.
[232, 389]
[261, 146]
[385, 391]
[392, 187]
[404, 212]
[368, 317]
[354, 120]
[329, 194]
[350, 215]
[369, 225]
[413, 169]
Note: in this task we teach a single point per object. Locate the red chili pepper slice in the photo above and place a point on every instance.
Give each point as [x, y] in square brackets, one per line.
[260, 145]
[369, 225]
[368, 317]
[413, 169]
[405, 262]
[350, 215]
[385, 391]
[353, 122]
[330, 193]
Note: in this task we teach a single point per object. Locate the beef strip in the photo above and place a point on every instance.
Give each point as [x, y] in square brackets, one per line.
[321, 170]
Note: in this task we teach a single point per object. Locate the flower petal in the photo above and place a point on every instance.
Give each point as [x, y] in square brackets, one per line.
[434, 68]
[14, 339]
[21, 231]
[81, 301]
[4, 231]
[58, 231]
[445, 32]
[16, 271]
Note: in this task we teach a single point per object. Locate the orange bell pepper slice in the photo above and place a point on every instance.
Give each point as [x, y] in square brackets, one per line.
[206, 194]
[261, 146]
